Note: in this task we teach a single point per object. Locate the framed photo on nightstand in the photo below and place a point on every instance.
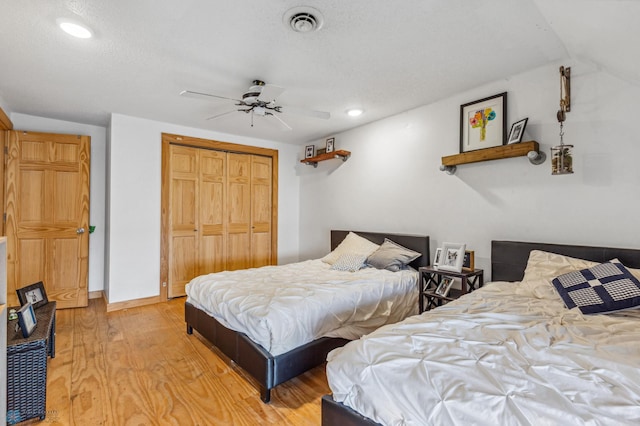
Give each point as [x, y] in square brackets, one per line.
[444, 286]
[27, 320]
[34, 294]
[452, 257]
[437, 257]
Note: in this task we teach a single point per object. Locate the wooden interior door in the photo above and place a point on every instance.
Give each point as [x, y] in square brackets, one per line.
[183, 241]
[212, 211]
[198, 215]
[47, 215]
[261, 210]
[239, 211]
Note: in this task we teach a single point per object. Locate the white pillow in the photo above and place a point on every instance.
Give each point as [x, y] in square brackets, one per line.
[349, 262]
[352, 244]
[543, 265]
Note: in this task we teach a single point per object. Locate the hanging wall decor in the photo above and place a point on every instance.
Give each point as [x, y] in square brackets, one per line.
[562, 155]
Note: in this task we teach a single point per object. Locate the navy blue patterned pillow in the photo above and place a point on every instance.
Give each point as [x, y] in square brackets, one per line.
[604, 288]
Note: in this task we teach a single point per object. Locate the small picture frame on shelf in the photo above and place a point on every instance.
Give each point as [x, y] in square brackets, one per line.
[517, 131]
[27, 320]
[452, 257]
[309, 151]
[321, 151]
[437, 257]
[444, 286]
[34, 294]
[330, 144]
[469, 261]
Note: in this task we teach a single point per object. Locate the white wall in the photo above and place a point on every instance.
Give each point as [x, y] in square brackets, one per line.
[97, 190]
[392, 182]
[134, 179]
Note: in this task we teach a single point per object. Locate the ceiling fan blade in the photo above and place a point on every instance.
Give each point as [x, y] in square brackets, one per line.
[207, 96]
[284, 125]
[306, 112]
[222, 114]
[270, 93]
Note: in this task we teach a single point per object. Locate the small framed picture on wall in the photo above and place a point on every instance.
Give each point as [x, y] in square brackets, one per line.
[330, 144]
[309, 151]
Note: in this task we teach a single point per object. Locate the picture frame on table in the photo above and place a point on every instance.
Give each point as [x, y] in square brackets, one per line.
[309, 151]
[27, 319]
[34, 294]
[483, 123]
[452, 257]
[330, 144]
[517, 131]
[469, 260]
[437, 257]
[444, 286]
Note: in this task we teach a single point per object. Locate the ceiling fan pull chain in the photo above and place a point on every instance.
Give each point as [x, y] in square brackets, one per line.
[252, 117]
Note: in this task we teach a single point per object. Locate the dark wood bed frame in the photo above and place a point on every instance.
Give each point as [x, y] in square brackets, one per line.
[508, 262]
[268, 370]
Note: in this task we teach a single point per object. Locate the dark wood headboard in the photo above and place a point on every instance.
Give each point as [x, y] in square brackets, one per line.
[509, 258]
[419, 243]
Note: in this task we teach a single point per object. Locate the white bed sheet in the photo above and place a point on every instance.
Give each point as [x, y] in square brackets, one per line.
[284, 307]
[507, 354]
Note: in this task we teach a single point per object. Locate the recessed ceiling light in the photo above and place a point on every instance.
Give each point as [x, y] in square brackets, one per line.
[74, 28]
[355, 112]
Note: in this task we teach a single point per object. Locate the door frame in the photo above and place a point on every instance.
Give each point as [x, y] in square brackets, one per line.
[165, 214]
[5, 126]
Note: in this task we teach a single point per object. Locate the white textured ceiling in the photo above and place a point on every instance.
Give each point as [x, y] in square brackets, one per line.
[383, 56]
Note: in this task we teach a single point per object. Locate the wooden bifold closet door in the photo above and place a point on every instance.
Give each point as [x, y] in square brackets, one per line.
[220, 213]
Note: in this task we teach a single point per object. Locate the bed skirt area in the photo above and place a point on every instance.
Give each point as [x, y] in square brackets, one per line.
[267, 370]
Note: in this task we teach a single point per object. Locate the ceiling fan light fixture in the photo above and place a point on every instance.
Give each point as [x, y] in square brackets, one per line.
[303, 19]
[354, 112]
[74, 28]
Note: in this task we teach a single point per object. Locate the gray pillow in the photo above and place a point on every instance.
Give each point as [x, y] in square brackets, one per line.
[392, 256]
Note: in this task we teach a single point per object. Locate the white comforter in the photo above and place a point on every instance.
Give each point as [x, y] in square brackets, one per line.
[507, 354]
[283, 307]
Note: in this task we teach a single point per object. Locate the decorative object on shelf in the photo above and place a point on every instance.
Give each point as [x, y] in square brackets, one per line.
[561, 155]
[321, 151]
[517, 131]
[483, 123]
[437, 257]
[27, 320]
[496, 153]
[444, 286]
[452, 257]
[34, 294]
[330, 144]
[469, 260]
[309, 151]
[313, 161]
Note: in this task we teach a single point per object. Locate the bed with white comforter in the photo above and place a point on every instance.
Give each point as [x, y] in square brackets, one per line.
[509, 353]
[283, 307]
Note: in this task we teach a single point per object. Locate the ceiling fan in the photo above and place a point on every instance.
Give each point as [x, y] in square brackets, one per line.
[259, 100]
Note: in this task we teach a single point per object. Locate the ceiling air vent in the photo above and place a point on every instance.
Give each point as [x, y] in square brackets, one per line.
[303, 19]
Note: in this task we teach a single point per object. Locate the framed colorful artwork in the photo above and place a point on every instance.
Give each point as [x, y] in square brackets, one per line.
[483, 123]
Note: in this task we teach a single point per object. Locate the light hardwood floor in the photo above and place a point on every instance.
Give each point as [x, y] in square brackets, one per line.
[138, 366]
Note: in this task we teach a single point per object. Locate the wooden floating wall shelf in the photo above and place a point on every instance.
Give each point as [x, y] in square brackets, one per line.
[498, 152]
[313, 161]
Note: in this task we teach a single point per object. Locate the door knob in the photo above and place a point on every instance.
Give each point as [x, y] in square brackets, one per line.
[80, 231]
